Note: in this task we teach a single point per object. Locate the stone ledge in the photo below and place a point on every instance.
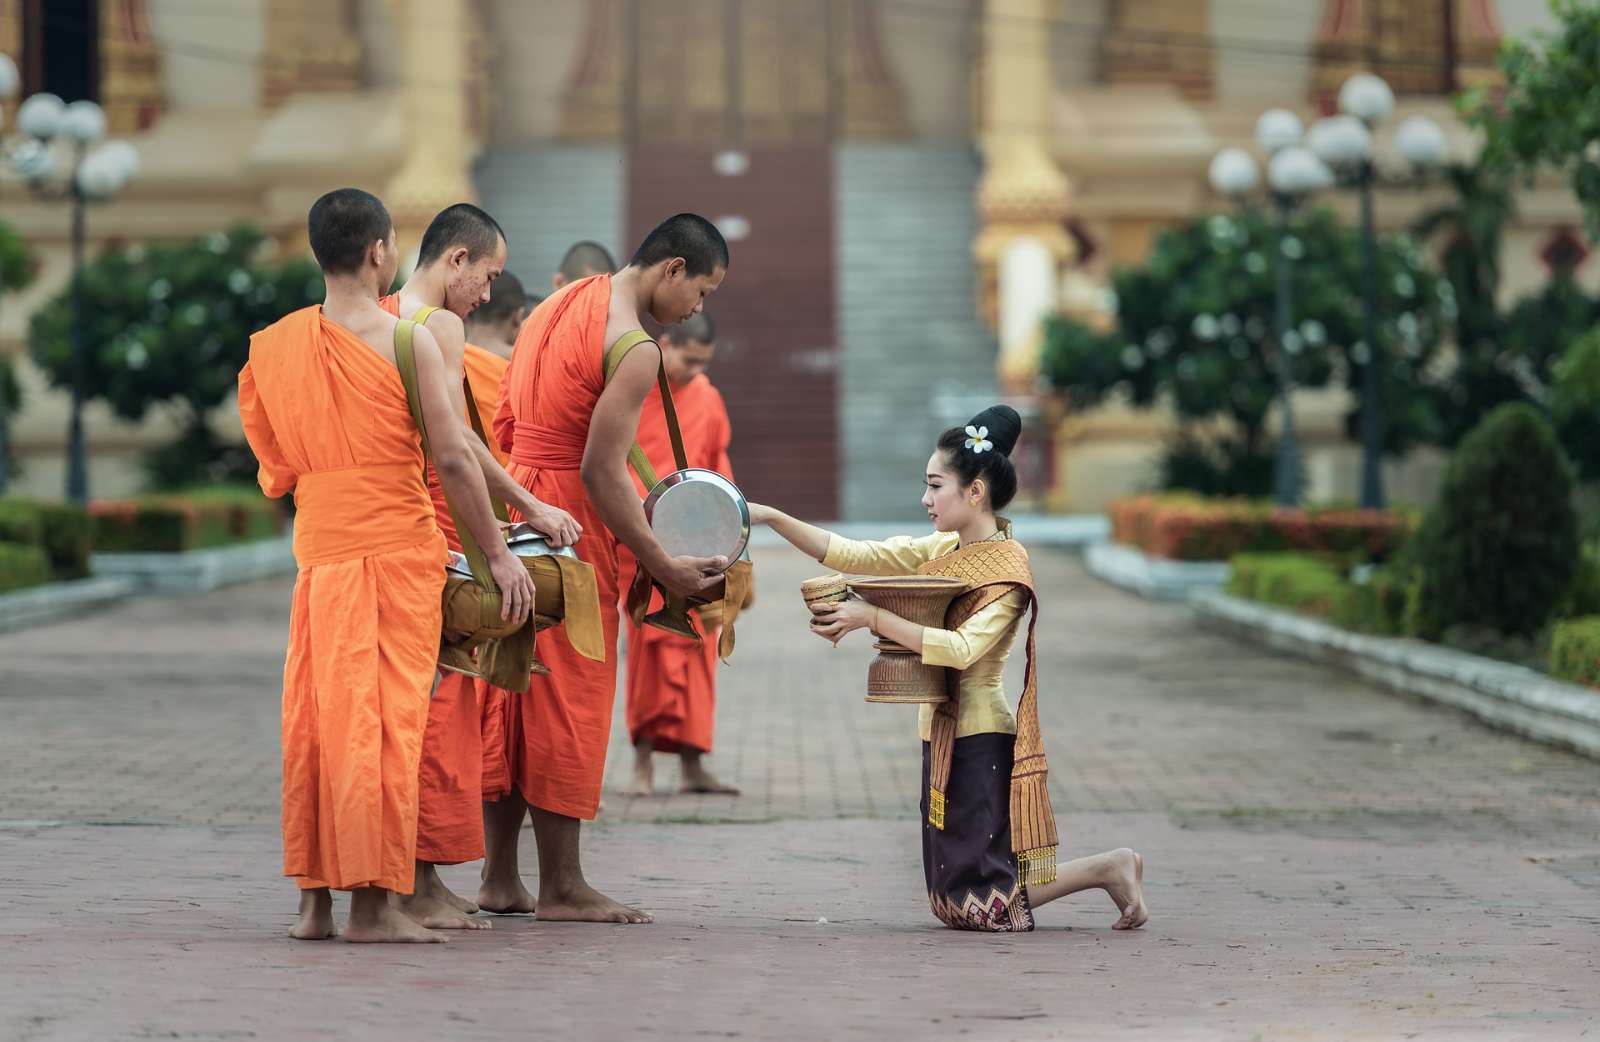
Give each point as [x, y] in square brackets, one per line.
[1153, 577]
[1512, 698]
[200, 571]
[52, 602]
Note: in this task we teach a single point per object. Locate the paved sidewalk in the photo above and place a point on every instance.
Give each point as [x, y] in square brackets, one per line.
[1325, 861]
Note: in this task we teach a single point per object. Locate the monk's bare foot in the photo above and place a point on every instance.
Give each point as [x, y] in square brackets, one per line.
[511, 898]
[428, 885]
[1126, 888]
[697, 779]
[644, 774]
[436, 913]
[585, 904]
[378, 922]
[316, 916]
[459, 903]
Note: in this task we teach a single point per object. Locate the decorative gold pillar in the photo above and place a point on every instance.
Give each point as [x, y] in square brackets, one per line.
[872, 106]
[1024, 198]
[1418, 46]
[311, 46]
[131, 89]
[434, 89]
[10, 44]
[1160, 41]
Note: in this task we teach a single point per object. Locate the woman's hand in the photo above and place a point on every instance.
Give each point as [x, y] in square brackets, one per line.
[833, 621]
[760, 514]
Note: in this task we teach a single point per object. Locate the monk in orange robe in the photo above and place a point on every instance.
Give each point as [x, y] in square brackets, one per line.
[325, 412]
[459, 264]
[672, 680]
[568, 431]
[491, 332]
[581, 260]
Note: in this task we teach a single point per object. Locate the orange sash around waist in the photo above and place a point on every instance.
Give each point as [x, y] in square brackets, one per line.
[353, 512]
[546, 448]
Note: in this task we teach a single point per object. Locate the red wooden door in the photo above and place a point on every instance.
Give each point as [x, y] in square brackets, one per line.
[776, 327]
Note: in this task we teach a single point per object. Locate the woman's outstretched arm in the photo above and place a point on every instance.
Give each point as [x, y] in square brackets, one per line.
[808, 539]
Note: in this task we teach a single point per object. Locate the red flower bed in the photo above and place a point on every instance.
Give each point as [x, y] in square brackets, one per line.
[1189, 528]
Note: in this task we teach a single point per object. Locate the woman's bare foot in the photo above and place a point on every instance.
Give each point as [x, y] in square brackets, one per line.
[373, 920]
[585, 904]
[510, 898]
[436, 913]
[1125, 886]
[316, 916]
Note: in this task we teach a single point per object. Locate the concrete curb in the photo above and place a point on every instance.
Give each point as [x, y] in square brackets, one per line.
[1154, 577]
[1512, 698]
[52, 602]
[200, 571]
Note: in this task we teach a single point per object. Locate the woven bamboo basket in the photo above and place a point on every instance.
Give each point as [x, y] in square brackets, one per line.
[897, 674]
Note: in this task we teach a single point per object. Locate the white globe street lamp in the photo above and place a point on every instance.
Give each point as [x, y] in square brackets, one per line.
[40, 116]
[1366, 97]
[1343, 142]
[1233, 172]
[1297, 171]
[1421, 143]
[1278, 129]
[43, 121]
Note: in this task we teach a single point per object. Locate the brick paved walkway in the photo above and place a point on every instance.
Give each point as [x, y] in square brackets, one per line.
[1326, 861]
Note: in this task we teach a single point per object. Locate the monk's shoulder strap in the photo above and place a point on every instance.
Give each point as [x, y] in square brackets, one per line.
[636, 457]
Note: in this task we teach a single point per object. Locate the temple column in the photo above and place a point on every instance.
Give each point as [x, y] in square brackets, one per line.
[1023, 197]
[437, 169]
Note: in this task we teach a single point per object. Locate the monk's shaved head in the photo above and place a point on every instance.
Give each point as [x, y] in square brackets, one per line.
[686, 235]
[697, 329]
[461, 225]
[506, 303]
[584, 259]
[343, 225]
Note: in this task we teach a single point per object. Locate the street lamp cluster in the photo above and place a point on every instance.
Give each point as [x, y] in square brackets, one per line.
[47, 127]
[1336, 150]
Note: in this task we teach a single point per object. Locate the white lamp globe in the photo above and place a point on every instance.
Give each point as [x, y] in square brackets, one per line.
[121, 156]
[84, 122]
[1340, 141]
[9, 77]
[1421, 142]
[99, 176]
[40, 116]
[1278, 129]
[1233, 172]
[1366, 97]
[1297, 171]
[32, 161]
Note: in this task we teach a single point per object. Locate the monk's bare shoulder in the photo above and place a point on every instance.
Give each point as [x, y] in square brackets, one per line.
[451, 335]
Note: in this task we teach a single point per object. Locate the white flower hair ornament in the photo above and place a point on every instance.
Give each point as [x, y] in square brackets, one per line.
[978, 439]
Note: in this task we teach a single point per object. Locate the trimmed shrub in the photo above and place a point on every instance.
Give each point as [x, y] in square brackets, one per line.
[194, 520]
[1499, 547]
[22, 566]
[1575, 651]
[1583, 598]
[60, 529]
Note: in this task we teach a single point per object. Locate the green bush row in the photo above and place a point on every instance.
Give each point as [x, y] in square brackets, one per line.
[60, 530]
[1318, 586]
[22, 566]
[1575, 651]
[194, 520]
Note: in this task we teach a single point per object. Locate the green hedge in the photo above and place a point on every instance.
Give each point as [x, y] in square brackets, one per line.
[22, 566]
[61, 530]
[196, 520]
[1575, 651]
[1318, 586]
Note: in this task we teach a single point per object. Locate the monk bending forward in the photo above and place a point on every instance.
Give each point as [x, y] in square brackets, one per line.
[325, 412]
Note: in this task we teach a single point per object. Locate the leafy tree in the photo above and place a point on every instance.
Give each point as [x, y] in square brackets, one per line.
[1195, 328]
[169, 325]
[1547, 115]
[18, 268]
[1575, 404]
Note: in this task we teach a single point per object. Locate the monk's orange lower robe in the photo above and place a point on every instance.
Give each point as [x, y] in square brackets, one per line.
[326, 416]
[558, 729]
[672, 681]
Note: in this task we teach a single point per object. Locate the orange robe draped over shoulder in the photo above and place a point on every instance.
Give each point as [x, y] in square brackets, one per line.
[558, 728]
[672, 692]
[454, 755]
[326, 416]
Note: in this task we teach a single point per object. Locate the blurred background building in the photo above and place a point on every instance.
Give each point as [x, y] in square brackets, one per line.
[909, 186]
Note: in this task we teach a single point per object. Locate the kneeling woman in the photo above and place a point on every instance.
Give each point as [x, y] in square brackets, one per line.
[988, 833]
